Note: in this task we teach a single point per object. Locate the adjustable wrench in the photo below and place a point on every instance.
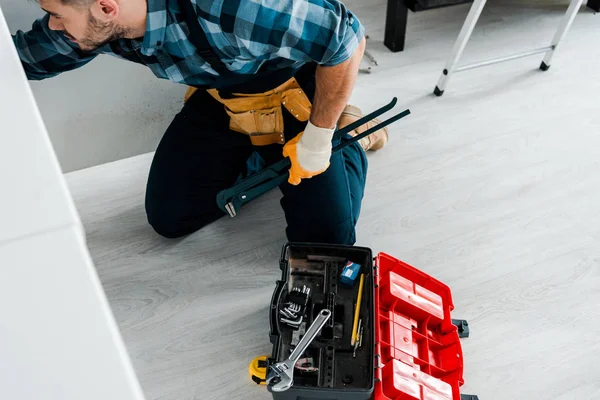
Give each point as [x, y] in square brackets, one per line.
[282, 377]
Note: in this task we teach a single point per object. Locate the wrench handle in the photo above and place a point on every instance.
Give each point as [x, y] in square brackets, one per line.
[310, 335]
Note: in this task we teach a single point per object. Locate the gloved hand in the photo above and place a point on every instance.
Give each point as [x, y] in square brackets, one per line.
[309, 152]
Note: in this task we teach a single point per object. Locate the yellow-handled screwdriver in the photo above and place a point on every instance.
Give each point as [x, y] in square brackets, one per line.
[357, 311]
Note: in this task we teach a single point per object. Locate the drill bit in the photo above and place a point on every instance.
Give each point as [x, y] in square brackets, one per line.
[357, 342]
[360, 337]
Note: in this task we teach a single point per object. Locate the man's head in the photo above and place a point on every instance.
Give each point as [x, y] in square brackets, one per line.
[91, 23]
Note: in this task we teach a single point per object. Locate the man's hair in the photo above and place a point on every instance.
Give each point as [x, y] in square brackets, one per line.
[74, 3]
[77, 3]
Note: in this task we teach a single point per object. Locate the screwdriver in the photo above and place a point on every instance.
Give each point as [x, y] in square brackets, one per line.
[357, 312]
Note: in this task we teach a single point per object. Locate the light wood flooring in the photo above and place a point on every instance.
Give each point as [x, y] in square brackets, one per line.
[493, 188]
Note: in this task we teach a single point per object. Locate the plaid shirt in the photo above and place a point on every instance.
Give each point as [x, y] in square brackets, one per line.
[245, 34]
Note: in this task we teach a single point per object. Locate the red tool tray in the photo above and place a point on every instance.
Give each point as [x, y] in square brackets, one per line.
[419, 350]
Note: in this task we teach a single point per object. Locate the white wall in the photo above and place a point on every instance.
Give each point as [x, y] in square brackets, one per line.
[106, 121]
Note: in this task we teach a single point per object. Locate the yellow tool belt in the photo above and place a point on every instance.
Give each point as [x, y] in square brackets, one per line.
[261, 115]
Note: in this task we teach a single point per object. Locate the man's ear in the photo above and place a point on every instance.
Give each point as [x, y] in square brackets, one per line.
[109, 9]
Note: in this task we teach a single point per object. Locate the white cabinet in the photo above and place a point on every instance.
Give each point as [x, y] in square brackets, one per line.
[58, 337]
[33, 195]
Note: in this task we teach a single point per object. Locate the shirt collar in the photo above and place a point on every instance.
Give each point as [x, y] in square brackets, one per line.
[156, 25]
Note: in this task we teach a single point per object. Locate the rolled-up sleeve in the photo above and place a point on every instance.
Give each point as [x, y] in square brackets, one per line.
[45, 53]
[322, 31]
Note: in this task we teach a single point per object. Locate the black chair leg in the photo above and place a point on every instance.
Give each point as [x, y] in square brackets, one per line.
[395, 25]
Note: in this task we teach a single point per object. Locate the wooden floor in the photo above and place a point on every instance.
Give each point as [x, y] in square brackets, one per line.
[493, 189]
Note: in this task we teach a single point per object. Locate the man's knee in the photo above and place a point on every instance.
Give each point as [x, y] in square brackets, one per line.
[171, 221]
[168, 229]
[168, 226]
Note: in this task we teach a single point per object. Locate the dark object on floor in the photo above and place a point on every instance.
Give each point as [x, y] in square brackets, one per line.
[397, 16]
[423, 5]
[463, 327]
[594, 5]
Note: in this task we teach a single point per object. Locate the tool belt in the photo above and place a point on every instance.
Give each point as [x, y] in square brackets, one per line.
[260, 115]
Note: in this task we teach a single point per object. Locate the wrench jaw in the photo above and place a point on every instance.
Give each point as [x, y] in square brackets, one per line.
[282, 378]
[281, 382]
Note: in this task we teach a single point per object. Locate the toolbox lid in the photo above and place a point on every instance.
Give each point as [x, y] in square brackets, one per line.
[418, 350]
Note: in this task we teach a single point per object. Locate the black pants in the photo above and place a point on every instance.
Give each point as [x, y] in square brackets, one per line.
[199, 155]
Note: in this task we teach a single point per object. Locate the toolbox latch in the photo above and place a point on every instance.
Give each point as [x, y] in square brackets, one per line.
[375, 272]
[463, 328]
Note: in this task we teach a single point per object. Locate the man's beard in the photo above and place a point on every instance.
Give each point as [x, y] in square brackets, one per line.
[100, 33]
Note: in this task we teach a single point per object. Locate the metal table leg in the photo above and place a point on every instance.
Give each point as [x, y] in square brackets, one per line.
[563, 28]
[467, 30]
[459, 45]
[594, 5]
[395, 25]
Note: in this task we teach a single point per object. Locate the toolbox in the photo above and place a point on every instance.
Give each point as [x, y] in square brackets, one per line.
[410, 347]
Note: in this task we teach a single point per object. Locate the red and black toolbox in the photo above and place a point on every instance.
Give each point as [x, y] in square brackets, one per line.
[411, 347]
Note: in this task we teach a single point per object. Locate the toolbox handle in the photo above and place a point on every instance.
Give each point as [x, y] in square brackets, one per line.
[273, 318]
[278, 292]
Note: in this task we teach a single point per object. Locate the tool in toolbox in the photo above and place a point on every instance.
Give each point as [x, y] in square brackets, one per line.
[306, 365]
[355, 327]
[282, 376]
[360, 337]
[230, 200]
[295, 307]
[258, 368]
[357, 342]
[350, 273]
[298, 333]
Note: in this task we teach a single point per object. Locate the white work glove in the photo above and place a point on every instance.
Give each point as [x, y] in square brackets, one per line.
[309, 152]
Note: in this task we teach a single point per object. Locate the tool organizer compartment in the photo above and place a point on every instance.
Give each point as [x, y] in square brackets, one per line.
[334, 373]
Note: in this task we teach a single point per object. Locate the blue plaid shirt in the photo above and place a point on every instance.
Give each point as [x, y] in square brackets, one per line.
[245, 34]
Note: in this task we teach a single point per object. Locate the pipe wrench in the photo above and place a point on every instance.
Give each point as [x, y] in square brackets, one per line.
[230, 200]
